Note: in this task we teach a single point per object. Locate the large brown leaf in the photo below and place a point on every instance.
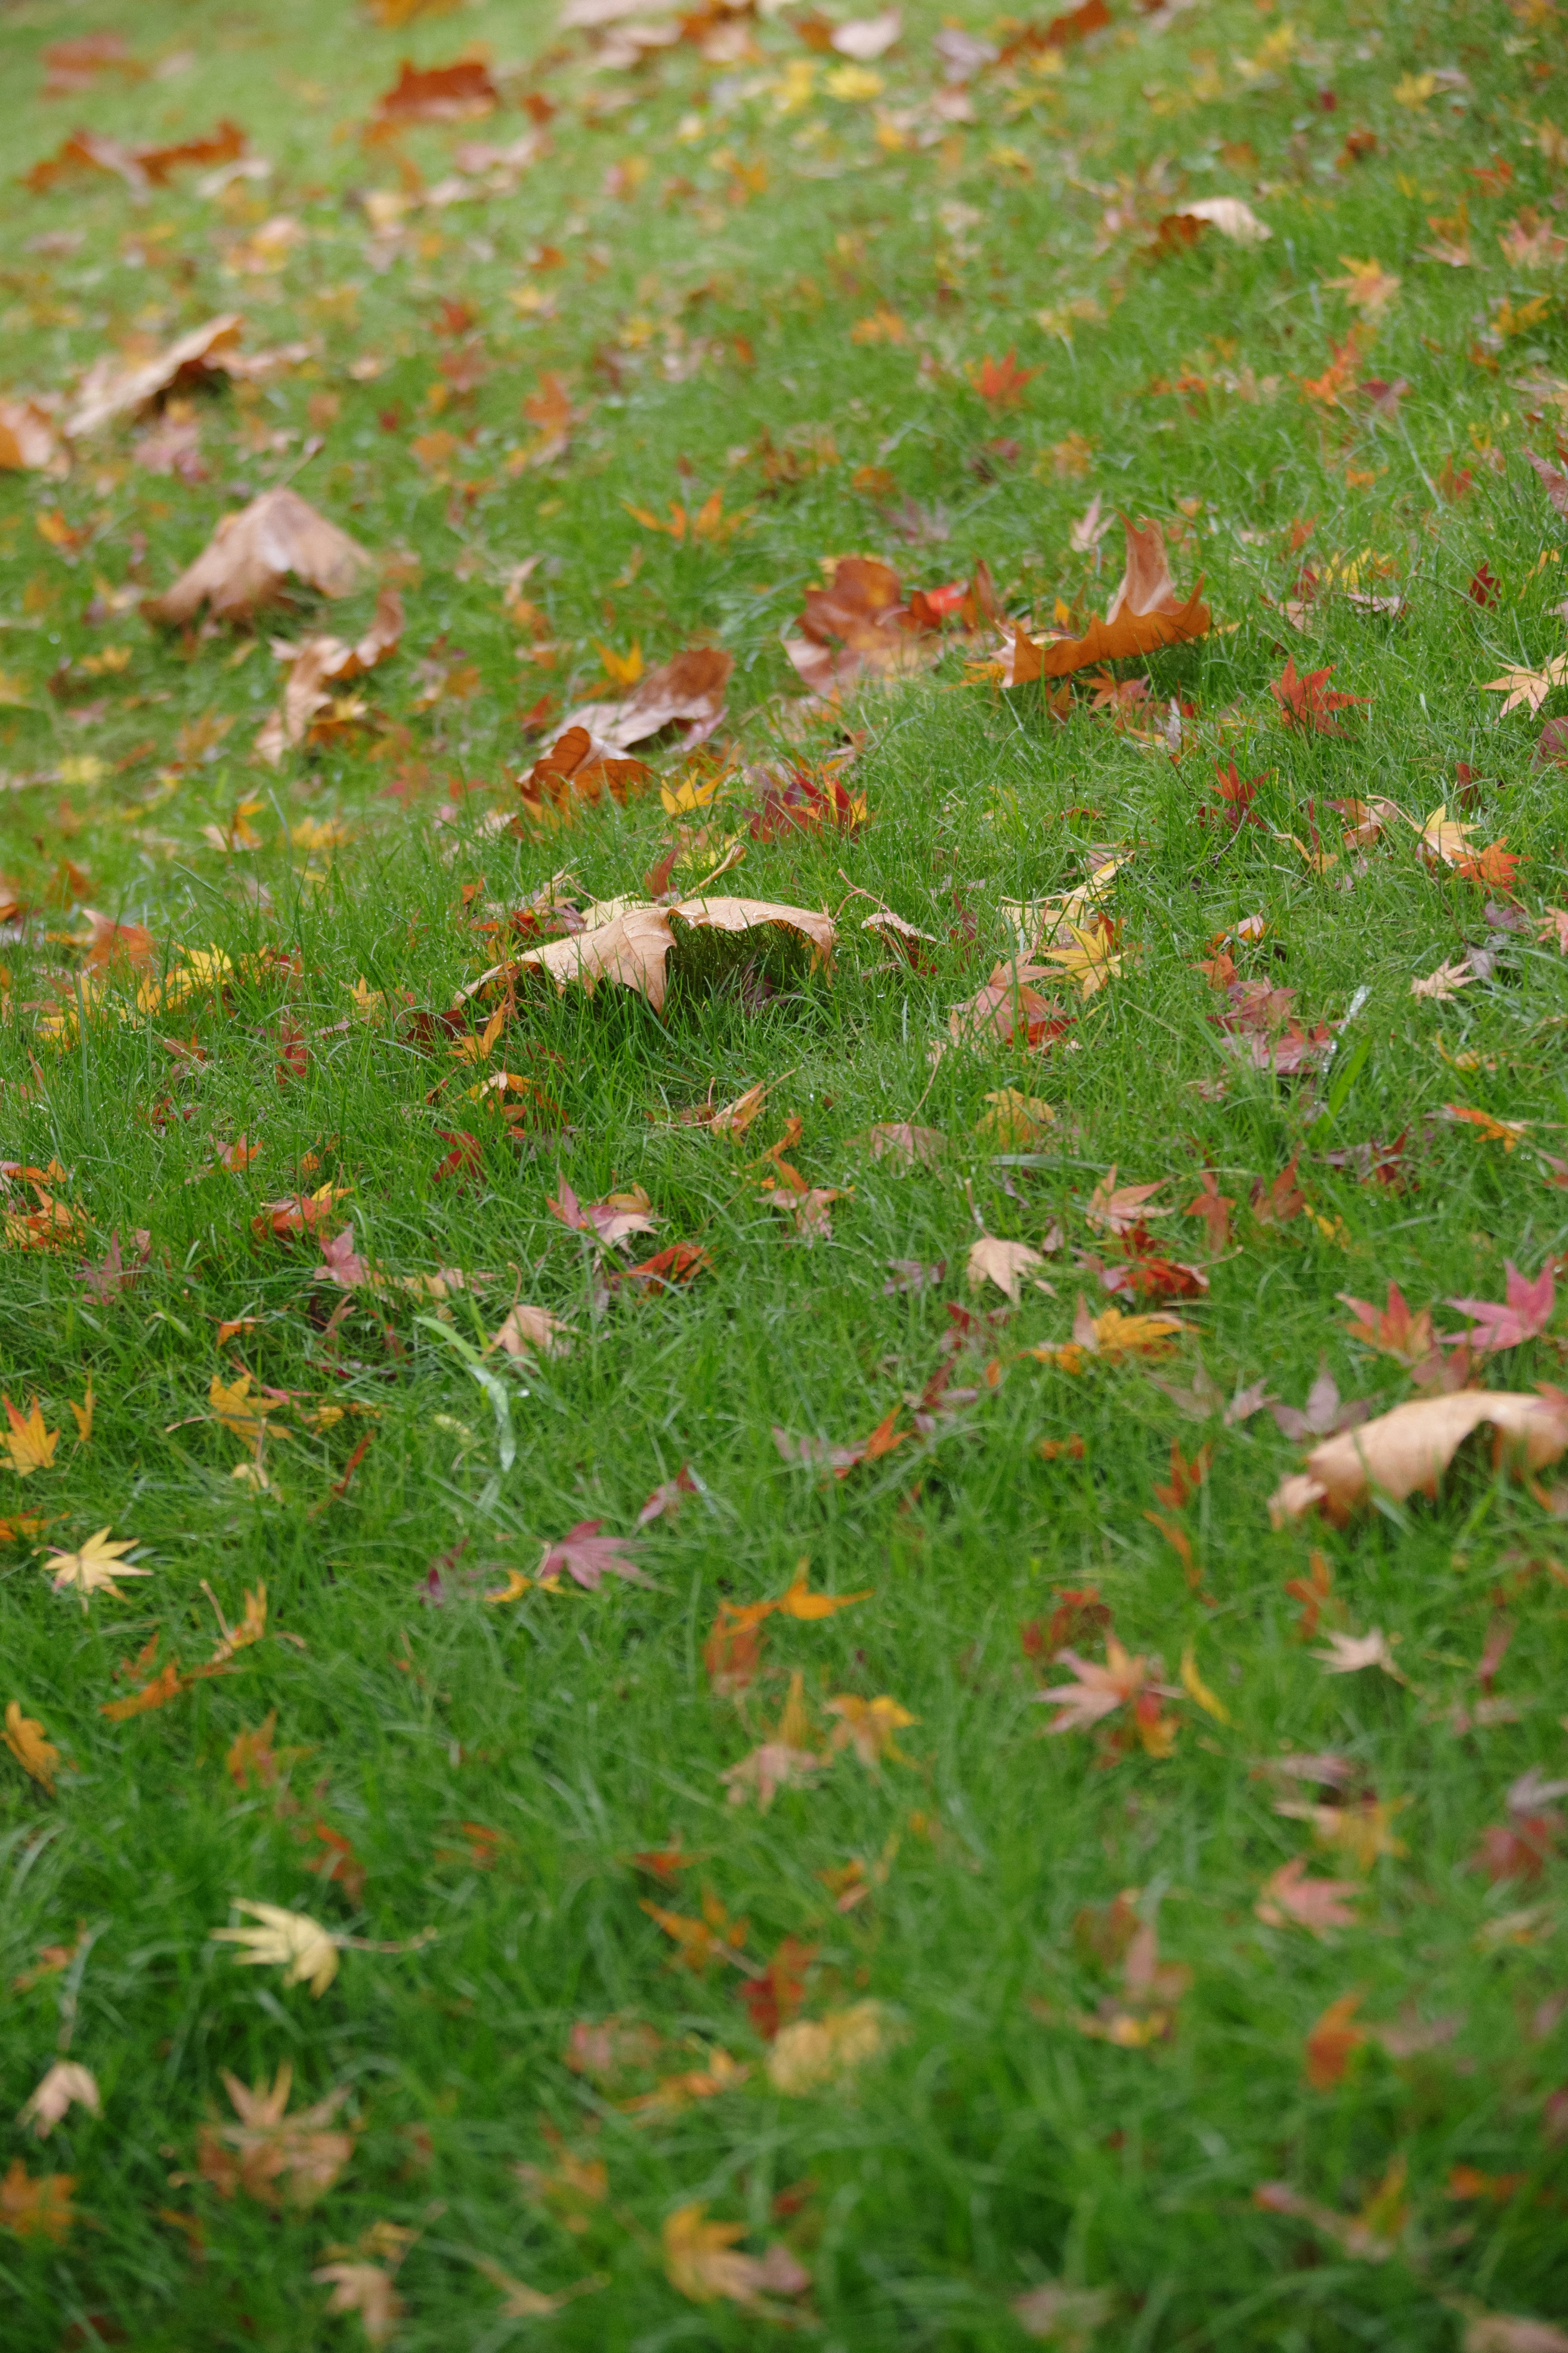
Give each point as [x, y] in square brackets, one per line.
[579, 768]
[1144, 614]
[1411, 1447]
[252, 552]
[859, 623]
[634, 946]
[110, 389]
[688, 690]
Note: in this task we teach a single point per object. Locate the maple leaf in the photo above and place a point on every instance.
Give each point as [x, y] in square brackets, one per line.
[1303, 703]
[1368, 287]
[1444, 983]
[1214, 1207]
[110, 1281]
[65, 2082]
[367, 2289]
[292, 1941]
[1523, 1315]
[1000, 382]
[903, 1146]
[811, 2054]
[1347, 1654]
[1508, 1133]
[632, 947]
[700, 1942]
[701, 2264]
[585, 1555]
[1004, 1263]
[28, 1444]
[94, 1569]
[1392, 1330]
[668, 1497]
[1315, 1903]
[1114, 1336]
[1094, 957]
[1008, 1009]
[1144, 614]
[1186, 1478]
[1528, 688]
[1322, 1413]
[1096, 1692]
[1067, 2316]
[36, 2206]
[686, 694]
[233, 1406]
[1118, 1208]
[868, 1726]
[275, 2158]
[769, 1767]
[527, 1331]
[25, 1738]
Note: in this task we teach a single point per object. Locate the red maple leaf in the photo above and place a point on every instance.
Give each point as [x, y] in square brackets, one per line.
[1000, 382]
[586, 1555]
[1303, 703]
[464, 1159]
[1526, 1312]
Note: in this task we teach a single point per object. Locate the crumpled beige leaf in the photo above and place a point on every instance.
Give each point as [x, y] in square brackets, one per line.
[252, 552]
[288, 1940]
[273, 2156]
[1234, 218]
[66, 2080]
[811, 2053]
[529, 1331]
[1412, 1446]
[688, 690]
[111, 389]
[319, 662]
[633, 947]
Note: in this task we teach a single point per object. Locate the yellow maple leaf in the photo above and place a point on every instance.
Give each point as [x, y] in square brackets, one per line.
[867, 1725]
[82, 1416]
[1092, 961]
[238, 1410]
[290, 1940]
[30, 1446]
[24, 1739]
[94, 1569]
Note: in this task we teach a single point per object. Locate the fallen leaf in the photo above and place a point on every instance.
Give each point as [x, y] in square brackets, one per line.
[1446, 982]
[28, 1444]
[1003, 1263]
[367, 2289]
[291, 1941]
[814, 2054]
[702, 2262]
[25, 1738]
[277, 2159]
[1065, 2317]
[1234, 218]
[686, 694]
[1523, 1315]
[251, 554]
[1315, 1903]
[65, 2082]
[1412, 1446]
[1143, 615]
[585, 1556]
[112, 388]
[1347, 1654]
[94, 1569]
[36, 2206]
[634, 946]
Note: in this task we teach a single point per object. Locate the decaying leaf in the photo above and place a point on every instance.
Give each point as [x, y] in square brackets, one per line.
[27, 1442]
[1411, 1447]
[1315, 1903]
[686, 694]
[254, 552]
[632, 947]
[861, 625]
[1143, 615]
[114, 388]
[36, 2206]
[277, 2159]
[1004, 1263]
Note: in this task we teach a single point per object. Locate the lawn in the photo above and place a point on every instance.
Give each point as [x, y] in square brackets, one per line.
[712, 1627]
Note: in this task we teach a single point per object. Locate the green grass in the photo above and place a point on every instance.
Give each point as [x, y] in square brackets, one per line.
[992, 2144]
